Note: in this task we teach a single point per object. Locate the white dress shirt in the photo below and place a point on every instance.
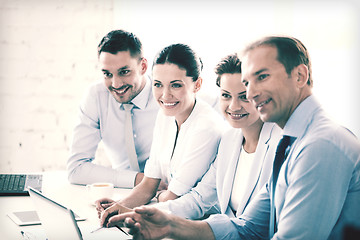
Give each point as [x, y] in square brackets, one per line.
[196, 147]
[102, 118]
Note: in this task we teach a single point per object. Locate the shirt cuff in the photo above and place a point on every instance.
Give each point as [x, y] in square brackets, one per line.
[178, 188]
[151, 172]
[222, 226]
[126, 179]
[163, 206]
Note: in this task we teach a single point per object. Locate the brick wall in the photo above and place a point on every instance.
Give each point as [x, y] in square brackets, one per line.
[48, 57]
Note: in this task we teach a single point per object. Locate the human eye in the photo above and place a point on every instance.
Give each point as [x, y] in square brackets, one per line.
[107, 75]
[225, 95]
[157, 85]
[243, 98]
[176, 85]
[124, 72]
[262, 76]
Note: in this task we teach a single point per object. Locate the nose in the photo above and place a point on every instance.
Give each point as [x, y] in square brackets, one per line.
[166, 94]
[235, 104]
[252, 91]
[116, 82]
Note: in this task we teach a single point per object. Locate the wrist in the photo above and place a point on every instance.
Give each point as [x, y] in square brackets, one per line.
[157, 196]
[173, 230]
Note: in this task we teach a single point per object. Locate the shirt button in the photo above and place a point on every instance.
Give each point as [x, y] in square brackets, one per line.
[134, 135]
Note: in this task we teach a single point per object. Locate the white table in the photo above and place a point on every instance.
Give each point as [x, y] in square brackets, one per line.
[57, 187]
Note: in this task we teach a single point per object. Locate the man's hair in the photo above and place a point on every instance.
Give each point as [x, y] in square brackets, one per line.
[120, 40]
[229, 64]
[291, 52]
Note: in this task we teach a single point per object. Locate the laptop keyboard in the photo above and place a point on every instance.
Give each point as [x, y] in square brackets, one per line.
[12, 182]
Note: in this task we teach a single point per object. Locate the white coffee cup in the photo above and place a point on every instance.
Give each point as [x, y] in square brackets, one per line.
[99, 190]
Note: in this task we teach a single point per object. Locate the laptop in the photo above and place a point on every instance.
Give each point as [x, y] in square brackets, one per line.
[17, 184]
[59, 222]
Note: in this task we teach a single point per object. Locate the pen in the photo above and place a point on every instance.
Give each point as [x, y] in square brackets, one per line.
[26, 235]
[97, 229]
[122, 230]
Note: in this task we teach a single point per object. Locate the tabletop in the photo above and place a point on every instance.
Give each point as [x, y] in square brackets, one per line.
[57, 187]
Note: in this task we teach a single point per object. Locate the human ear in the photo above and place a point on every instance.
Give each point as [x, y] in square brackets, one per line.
[144, 65]
[302, 75]
[198, 84]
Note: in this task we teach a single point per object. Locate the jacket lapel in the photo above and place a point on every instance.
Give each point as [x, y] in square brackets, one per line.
[234, 143]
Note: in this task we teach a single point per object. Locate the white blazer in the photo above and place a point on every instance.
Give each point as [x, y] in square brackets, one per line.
[213, 192]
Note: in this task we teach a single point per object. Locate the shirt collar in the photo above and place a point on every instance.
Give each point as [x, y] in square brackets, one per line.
[301, 117]
[196, 108]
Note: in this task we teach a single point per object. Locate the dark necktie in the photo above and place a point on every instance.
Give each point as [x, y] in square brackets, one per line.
[278, 161]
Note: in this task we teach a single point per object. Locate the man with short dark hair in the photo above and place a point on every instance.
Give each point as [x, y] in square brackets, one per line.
[102, 116]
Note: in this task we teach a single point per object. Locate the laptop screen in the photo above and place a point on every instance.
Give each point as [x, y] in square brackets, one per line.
[59, 222]
[55, 218]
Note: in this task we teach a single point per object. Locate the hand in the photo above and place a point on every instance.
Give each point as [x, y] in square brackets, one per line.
[110, 214]
[146, 222]
[103, 204]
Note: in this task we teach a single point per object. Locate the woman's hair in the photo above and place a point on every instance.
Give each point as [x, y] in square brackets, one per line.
[182, 56]
[229, 64]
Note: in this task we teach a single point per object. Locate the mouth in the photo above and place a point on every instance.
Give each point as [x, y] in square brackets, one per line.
[237, 116]
[122, 90]
[169, 104]
[260, 105]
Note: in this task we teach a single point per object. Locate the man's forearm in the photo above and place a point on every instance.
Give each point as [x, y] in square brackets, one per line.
[87, 173]
[187, 229]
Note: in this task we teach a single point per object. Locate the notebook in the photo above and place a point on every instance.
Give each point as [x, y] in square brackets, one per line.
[17, 184]
[59, 222]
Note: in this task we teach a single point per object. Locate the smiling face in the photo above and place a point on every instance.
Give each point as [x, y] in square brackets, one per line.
[123, 74]
[174, 91]
[274, 93]
[238, 111]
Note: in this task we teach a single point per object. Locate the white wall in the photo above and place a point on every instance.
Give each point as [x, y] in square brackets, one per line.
[48, 57]
[329, 29]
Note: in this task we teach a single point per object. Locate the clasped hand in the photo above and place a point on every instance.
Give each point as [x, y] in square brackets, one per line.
[109, 211]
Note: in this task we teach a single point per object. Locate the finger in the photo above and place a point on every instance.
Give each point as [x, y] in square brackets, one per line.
[101, 200]
[100, 203]
[106, 214]
[104, 207]
[116, 220]
[145, 210]
[137, 232]
[129, 222]
[131, 225]
[103, 218]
